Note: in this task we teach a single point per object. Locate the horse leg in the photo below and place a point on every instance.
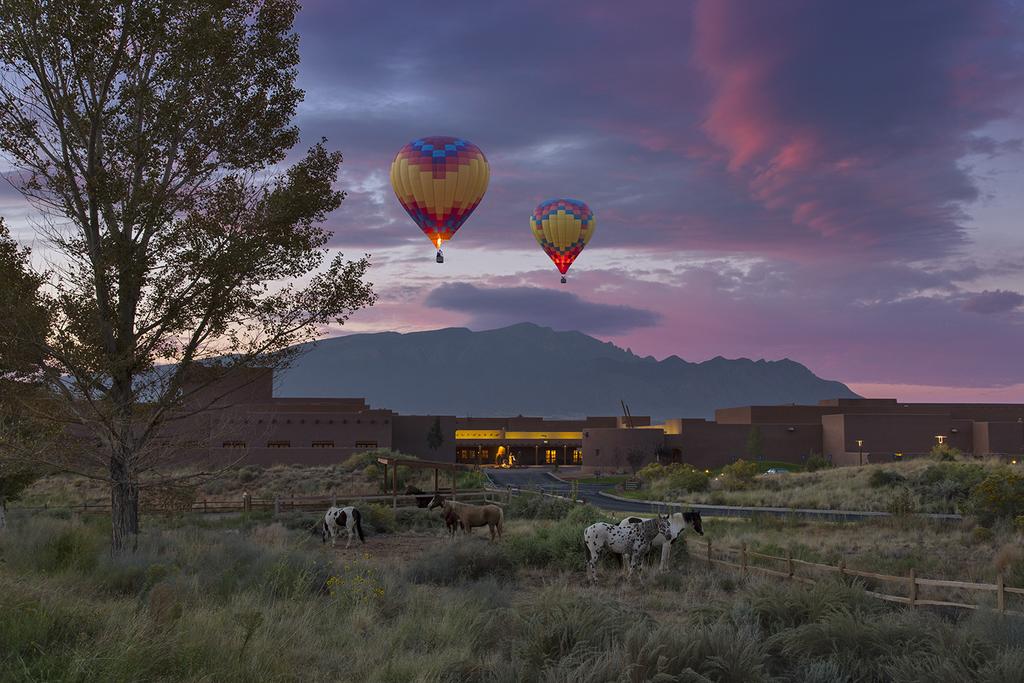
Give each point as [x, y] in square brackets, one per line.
[349, 542]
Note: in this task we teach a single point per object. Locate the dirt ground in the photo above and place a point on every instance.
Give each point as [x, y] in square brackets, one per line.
[385, 548]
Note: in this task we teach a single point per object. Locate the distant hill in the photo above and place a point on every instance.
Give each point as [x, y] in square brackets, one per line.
[526, 369]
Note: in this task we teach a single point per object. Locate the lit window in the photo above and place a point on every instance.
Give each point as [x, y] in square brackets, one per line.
[233, 444]
[550, 455]
[279, 444]
[323, 444]
[366, 444]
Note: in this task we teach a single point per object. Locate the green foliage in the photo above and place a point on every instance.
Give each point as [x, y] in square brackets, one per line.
[665, 481]
[816, 461]
[739, 475]
[536, 506]
[755, 443]
[1000, 495]
[465, 559]
[435, 437]
[379, 517]
[172, 122]
[881, 478]
[943, 452]
[903, 502]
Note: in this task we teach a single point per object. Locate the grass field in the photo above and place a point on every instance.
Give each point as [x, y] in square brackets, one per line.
[920, 485]
[261, 599]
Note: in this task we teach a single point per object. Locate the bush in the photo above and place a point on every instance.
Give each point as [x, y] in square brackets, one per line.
[882, 478]
[463, 560]
[815, 462]
[536, 506]
[902, 502]
[380, 518]
[999, 496]
[945, 452]
[739, 475]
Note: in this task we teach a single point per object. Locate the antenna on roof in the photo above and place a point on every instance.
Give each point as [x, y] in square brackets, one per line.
[626, 414]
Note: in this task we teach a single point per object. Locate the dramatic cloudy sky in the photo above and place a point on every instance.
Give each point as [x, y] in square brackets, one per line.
[834, 182]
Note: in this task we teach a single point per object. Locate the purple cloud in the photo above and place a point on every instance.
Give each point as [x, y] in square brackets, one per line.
[995, 301]
[489, 308]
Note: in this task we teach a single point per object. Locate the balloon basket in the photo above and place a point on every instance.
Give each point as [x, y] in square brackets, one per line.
[440, 256]
[563, 279]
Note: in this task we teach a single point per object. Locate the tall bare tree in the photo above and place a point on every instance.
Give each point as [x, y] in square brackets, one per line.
[150, 135]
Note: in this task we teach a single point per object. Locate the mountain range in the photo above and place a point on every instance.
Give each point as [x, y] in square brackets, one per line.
[527, 369]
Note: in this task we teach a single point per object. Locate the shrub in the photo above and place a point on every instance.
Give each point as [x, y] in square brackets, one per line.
[883, 478]
[902, 502]
[380, 518]
[1000, 495]
[461, 561]
[536, 506]
[739, 475]
[815, 462]
[945, 452]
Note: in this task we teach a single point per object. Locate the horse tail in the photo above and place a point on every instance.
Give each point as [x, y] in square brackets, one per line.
[359, 524]
[501, 519]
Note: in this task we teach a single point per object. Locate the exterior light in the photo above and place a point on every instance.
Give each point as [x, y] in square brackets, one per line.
[860, 443]
[1013, 462]
[709, 471]
[940, 438]
[898, 455]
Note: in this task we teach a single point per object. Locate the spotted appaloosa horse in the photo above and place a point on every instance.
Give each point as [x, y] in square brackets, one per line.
[678, 521]
[633, 542]
[347, 518]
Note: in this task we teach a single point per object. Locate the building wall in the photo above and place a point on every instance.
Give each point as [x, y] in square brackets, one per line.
[884, 435]
[1005, 438]
[833, 439]
[409, 435]
[606, 449]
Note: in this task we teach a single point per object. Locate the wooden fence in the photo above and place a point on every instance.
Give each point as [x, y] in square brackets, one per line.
[742, 556]
[278, 504]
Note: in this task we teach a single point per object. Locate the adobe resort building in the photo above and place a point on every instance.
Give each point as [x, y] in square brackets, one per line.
[847, 431]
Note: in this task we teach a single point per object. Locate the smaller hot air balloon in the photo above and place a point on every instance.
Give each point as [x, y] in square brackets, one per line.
[562, 227]
[439, 181]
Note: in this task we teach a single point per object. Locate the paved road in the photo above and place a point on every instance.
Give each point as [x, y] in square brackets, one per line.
[540, 478]
[598, 496]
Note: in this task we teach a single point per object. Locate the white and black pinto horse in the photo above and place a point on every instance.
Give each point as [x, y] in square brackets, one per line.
[632, 542]
[347, 518]
[678, 522]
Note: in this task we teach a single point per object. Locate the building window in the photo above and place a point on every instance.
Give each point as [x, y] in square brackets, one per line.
[550, 456]
[323, 444]
[233, 444]
[577, 456]
[366, 444]
[279, 444]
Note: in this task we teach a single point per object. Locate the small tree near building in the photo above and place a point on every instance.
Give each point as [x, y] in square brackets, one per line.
[435, 437]
[755, 443]
[635, 458]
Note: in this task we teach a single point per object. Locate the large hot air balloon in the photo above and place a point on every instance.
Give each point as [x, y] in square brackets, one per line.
[439, 181]
[562, 227]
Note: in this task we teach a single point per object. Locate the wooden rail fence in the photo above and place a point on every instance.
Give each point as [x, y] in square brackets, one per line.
[741, 560]
[277, 504]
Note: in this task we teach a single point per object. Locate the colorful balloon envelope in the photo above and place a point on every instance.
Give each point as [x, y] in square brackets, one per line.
[562, 227]
[440, 181]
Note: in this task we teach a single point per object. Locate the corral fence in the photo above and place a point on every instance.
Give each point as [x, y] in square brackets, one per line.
[277, 504]
[747, 561]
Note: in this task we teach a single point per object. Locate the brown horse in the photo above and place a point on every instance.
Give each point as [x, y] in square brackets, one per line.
[470, 516]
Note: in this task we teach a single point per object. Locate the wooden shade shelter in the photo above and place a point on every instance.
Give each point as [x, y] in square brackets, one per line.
[393, 464]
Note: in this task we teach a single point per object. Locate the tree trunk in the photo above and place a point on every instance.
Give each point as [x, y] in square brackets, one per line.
[3, 513]
[124, 508]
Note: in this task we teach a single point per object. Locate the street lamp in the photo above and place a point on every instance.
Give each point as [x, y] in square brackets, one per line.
[940, 438]
[860, 451]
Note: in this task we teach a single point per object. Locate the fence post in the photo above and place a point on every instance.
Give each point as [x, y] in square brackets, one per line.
[1000, 594]
[789, 562]
[277, 506]
[508, 495]
[743, 557]
[709, 553]
[842, 567]
[913, 588]
[334, 500]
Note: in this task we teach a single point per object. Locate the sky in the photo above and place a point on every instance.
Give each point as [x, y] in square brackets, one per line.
[838, 182]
